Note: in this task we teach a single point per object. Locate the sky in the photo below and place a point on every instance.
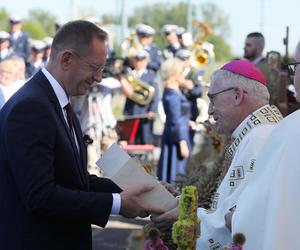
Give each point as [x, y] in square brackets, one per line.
[267, 16]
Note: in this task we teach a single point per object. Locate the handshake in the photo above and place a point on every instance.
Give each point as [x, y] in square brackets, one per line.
[142, 193]
[132, 205]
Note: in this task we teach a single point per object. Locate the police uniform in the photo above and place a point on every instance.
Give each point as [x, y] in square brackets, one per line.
[32, 67]
[144, 133]
[191, 94]
[19, 41]
[171, 49]
[5, 53]
[143, 30]
[48, 42]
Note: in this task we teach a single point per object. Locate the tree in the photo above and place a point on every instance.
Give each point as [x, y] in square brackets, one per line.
[157, 16]
[4, 16]
[34, 29]
[219, 22]
[44, 19]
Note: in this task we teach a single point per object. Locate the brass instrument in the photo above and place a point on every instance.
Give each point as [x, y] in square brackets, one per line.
[142, 92]
[202, 51]
[130, 44]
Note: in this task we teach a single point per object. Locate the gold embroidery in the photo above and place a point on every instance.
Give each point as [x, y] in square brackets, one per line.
[266, 115]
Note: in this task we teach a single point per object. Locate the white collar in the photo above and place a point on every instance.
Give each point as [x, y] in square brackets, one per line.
[16, 34]
[58, 90]
[4, 52]
[257, 60]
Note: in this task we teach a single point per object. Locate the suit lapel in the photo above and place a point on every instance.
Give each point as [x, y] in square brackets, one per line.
[51, 94]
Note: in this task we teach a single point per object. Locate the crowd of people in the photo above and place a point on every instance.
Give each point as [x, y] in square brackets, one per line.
[44, 156]
[142, 63]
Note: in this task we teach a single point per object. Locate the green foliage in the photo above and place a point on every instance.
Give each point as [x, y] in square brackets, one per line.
[38, 24]
[212, 15]
[34, 29]
[185, 230]
[221, 48]
[158, 15]
[110, 19]
[4, 15]
[45, 20]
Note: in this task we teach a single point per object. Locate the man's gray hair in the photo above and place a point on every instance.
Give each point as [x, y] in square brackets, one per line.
[256, 90]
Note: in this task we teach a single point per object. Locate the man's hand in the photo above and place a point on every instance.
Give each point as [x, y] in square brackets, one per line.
[132, 205]
[150, 115]
[185, 83]
[165, 221]
[170, 188]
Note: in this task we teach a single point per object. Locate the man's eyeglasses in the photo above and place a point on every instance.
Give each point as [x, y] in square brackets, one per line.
[212, 96]
[292, 67]
[94, 67]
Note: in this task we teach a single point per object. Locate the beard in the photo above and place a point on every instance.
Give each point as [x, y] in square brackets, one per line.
[250, 56]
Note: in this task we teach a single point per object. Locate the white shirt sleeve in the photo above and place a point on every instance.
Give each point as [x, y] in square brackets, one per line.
[116, 206]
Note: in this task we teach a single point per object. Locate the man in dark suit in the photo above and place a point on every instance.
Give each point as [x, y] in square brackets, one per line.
[48, 199]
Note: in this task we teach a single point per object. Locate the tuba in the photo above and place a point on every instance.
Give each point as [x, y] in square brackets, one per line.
[202, 51]
[142, 92]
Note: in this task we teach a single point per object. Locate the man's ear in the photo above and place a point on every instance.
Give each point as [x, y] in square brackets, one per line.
[239, 95]
[66, 60]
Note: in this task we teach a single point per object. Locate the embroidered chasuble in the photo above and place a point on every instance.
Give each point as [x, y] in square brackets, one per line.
[248, 138]
[267, 213]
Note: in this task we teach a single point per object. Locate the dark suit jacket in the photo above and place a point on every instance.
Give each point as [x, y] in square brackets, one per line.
[47, 198]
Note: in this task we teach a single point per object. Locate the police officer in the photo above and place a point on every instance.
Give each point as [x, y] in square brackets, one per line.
[36, 61]
[19, 41]
[169, 30]
[145, 35]
[48, 42]
[190, 86]
[5, 51]
[144, 134]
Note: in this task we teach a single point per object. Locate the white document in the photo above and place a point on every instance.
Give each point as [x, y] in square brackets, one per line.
[126, 172]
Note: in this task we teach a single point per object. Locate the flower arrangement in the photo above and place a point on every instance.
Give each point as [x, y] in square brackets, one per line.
[185, 230]
[153, 242]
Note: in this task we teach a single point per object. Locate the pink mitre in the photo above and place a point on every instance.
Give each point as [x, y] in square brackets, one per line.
[246, 69]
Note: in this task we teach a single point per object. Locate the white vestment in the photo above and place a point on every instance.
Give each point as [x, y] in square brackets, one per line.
[249, 137]
[268, 212]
